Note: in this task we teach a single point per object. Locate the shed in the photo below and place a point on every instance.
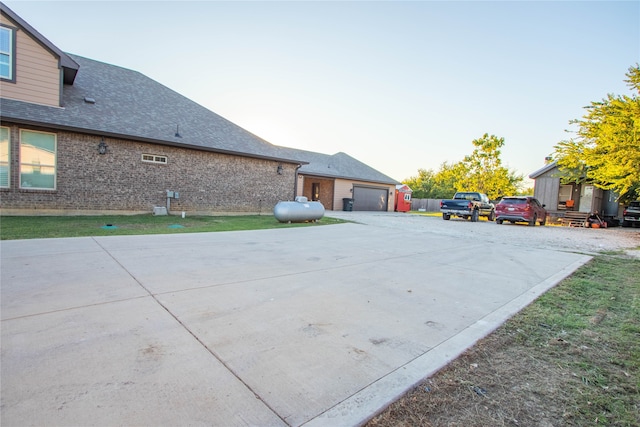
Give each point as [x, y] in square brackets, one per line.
[403, 198]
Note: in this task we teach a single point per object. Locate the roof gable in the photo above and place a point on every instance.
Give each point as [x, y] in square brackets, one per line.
[548, 167]
[339, 165]
[68, 65]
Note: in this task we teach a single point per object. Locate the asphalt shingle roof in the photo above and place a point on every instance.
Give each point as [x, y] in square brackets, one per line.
[339, 165]
[126, 104]
[130, 105]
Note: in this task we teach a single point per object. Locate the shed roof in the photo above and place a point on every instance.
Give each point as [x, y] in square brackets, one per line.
[543, 170]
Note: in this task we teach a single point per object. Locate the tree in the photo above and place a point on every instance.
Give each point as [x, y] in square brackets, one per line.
[447, 178]
[481, 171]
[526, 192]
[422, 184]
[432, 185]
[606, 149]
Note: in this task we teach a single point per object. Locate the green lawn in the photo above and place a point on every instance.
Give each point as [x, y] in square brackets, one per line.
[32, 227]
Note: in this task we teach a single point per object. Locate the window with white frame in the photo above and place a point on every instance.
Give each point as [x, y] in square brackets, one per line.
[152, 158]
[38, 160]
[4, 157]
[7, 45]
[564, 193]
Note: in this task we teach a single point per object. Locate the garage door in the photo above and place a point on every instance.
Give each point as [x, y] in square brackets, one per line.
[370, 198]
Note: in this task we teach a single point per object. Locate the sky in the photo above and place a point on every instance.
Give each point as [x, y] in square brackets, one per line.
[400, 86]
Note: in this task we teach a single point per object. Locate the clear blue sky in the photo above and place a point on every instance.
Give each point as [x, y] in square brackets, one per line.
[397, 85]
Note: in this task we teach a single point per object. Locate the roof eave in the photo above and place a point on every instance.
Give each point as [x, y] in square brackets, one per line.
[543, 170]
[350, 178]
[148, 140]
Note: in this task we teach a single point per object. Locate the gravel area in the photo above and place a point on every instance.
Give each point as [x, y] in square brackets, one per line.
[572, 239]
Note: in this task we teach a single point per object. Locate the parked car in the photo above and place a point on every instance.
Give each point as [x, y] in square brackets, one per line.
[521, 209]
[467, 205]
[631, 215]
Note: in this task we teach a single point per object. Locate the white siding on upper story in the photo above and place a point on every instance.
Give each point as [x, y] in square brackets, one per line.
[37, 77]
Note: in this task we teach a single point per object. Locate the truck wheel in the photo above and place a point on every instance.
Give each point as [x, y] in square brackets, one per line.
[492, 216]
[532, 223]
[446, 217]
[474, 216]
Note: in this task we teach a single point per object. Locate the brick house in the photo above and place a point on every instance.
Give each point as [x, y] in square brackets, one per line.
[82, 136]
[331, 179]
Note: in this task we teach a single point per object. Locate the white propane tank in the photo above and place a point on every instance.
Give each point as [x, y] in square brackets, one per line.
[298, 211]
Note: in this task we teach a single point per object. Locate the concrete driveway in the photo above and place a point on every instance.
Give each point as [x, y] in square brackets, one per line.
[309, 326]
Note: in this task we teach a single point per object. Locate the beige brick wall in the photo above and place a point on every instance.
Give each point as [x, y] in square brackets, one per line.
[120, 181]
[326, 190]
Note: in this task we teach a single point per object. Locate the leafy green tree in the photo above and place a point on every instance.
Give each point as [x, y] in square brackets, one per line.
[526, 192]
[433, 185]
[448, 179]
[606, 149]
[481, 171]
[422, 184]
[484, 172]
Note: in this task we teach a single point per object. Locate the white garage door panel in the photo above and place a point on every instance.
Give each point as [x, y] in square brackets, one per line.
[370, 199]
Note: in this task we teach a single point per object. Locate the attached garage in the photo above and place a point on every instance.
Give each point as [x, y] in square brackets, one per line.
[370, 198]
[332, 179]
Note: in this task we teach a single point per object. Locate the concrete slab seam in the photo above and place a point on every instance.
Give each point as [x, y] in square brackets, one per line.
[97, 304]
[193, 334]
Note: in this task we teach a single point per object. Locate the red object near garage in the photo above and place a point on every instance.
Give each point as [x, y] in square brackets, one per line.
[403, 198]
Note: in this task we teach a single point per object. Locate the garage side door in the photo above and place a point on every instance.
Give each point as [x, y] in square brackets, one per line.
[370, 198]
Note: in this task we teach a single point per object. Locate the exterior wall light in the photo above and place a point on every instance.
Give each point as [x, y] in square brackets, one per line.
[102, 147]
[279, 170]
